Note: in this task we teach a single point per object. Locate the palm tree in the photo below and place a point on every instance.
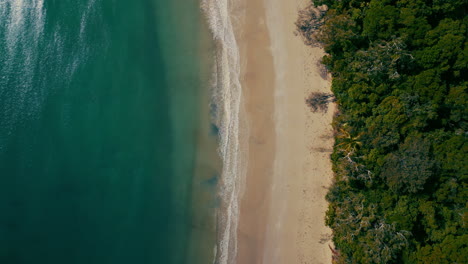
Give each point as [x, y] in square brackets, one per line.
[349, 144]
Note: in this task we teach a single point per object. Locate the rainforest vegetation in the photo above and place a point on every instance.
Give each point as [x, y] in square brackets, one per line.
[400, 158]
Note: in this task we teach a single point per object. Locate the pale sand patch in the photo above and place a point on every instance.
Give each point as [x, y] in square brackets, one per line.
[296, 231]
[283, 208]
[258, 84]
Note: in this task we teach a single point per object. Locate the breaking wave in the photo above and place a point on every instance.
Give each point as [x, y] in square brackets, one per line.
[227, 107]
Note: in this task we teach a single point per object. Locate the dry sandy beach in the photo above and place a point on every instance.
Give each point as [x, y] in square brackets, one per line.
[283, 208]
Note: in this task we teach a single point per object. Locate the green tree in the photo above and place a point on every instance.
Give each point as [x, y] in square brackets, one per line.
[407, 170]
[385, 123]
[400, 79]
[380, 20]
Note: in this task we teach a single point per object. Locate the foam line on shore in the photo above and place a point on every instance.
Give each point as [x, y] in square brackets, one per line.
[227, 107]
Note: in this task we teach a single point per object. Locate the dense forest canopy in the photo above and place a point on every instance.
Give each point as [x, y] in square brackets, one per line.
[399, 71]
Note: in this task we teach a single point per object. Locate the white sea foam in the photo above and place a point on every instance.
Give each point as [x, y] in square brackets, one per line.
[227, 94]
[21, 27]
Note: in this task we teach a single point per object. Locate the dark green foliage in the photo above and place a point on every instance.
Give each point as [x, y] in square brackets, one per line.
[407, 170]
[400, 79]
[380, 20]
[451, 250]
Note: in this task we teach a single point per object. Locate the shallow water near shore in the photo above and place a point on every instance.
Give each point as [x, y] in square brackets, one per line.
[106, 154]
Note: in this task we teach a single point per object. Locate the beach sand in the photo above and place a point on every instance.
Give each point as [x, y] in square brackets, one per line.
[289, 168]
[258, 84]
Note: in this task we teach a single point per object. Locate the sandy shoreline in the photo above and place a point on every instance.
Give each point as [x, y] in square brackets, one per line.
[258, 84]
[283, 207]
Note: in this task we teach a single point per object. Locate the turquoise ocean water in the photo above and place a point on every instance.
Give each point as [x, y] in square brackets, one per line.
[106, 152]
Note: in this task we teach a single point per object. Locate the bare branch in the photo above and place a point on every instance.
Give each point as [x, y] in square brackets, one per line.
[319, 101]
